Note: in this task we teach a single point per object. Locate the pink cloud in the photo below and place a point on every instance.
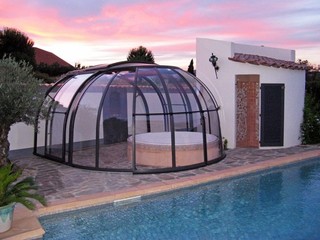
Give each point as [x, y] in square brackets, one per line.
[166, 27]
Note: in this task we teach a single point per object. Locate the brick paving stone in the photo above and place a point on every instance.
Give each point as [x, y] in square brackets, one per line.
[57, 181]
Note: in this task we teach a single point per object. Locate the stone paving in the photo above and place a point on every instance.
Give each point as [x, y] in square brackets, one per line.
[59, 182]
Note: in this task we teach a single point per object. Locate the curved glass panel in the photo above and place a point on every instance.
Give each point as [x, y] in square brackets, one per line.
[68, 90]
[151, 102]
[56, 87]
[207, 102]
[114, 123]
[85, 123]
[46, 108]
[56, 122]
[182, 98]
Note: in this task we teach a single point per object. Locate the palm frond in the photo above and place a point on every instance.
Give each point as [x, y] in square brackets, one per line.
[21, 192]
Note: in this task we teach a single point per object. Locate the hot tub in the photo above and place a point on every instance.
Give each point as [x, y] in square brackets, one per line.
[154, 149]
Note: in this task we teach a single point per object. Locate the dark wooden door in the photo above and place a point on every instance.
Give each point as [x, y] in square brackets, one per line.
[272, 114]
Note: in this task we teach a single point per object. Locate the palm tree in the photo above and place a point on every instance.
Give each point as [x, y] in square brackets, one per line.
[17, 192]
[140, 54]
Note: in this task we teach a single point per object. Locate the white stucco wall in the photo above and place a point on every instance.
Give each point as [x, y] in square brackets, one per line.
[21, 136]
[223, 88]
[278, 53]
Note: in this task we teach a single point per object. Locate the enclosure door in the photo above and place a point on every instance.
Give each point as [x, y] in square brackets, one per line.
[115, 117]
[247, 111]
[272, 114]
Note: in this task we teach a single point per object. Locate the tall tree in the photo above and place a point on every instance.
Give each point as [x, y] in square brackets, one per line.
[20, 99]
[140, 54]
[18, 45]
[190, 67]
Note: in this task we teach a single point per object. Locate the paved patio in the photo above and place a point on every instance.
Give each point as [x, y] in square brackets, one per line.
[61, 182]
[68, 188]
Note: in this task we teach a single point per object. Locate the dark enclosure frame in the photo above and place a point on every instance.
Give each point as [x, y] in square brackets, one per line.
[130, 116]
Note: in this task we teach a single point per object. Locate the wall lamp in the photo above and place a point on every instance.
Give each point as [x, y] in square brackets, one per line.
[213, 59]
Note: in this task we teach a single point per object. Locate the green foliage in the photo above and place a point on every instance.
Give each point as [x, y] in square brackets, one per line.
[140, 54]
[17, 44]
[313, 84]
[20, 96]
[22, 192]
[45, 77]
[191, 67]
[310, 128]
[20, 99]
[53, 70]
[225, 143]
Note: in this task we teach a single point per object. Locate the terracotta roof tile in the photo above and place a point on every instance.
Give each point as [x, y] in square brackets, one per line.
[49, 58]
[266, 61]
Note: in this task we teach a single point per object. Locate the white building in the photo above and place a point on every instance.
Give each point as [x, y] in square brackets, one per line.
[260, 91]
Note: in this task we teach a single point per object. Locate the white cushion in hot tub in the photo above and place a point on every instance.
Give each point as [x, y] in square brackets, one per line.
[155, 149]
[164, 138]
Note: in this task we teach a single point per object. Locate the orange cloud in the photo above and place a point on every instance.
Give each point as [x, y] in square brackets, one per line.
[168, 28]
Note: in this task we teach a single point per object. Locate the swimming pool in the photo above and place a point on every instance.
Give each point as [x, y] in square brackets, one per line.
[283, 203]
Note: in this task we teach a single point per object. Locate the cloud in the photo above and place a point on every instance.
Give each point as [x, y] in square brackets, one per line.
[168, 28]
[68, 9]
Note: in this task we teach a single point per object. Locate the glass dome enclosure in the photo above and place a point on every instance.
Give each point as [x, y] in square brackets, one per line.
[127, 116]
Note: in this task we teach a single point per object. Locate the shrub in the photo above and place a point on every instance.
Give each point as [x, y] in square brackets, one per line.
[310, 128]
[20, 99]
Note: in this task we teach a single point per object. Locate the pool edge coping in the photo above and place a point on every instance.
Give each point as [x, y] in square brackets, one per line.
[172, 184]
[145, 190]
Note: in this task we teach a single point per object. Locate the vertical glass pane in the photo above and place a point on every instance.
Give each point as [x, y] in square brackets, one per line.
[151, 101]
[57, 86]
[67, 91]
[212, 122]
[150, 86]
[55, 134]
[85, 123]
[152, 122]
[142, 122]
[183, 99]
[58, 113]
[189, 148]
[207, 102]
[153, 150]
[114, 123]
[40, 149]
[46, 108]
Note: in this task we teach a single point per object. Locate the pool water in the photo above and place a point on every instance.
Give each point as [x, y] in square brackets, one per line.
[280, 204]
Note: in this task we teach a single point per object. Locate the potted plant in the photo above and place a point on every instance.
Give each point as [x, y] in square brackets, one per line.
[20, 98]
[13, 191]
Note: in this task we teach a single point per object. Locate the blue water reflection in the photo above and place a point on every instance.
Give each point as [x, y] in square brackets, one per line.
[279, 204]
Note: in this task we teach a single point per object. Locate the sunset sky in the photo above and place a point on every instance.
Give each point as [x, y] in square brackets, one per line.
[103, 31]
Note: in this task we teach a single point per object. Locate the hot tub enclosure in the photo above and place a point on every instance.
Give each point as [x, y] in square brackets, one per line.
[129, 116]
